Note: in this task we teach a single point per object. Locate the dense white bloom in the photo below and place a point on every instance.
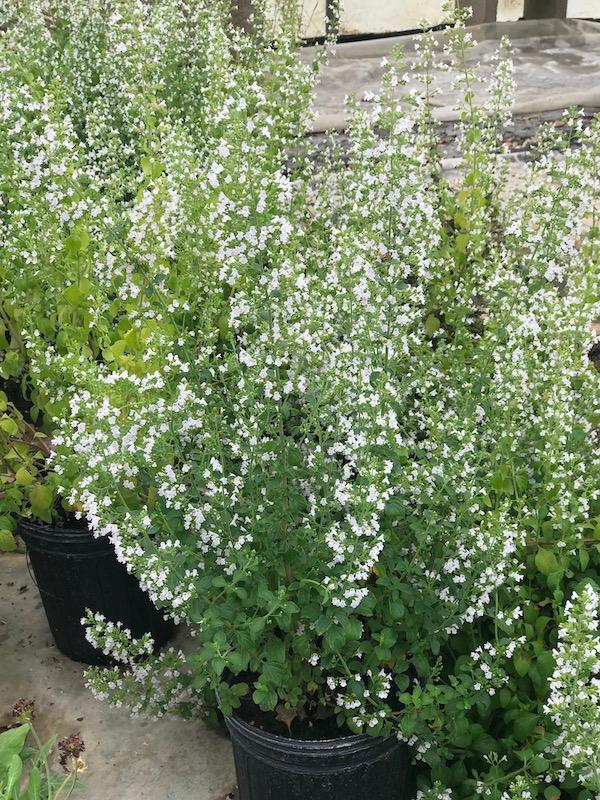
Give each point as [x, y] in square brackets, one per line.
[574, 700]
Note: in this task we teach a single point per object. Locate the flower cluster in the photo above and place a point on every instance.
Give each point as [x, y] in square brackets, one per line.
[70, 749]
[574, 700]
[24, 710]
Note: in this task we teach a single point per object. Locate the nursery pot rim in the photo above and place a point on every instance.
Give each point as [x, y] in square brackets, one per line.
[318, 756]
[46, 537]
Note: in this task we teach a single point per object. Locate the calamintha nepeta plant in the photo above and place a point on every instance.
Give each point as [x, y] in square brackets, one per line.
[574, 699]
[344, 426]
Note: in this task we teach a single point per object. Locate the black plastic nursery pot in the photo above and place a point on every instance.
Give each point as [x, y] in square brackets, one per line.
[271, 767]
[74, 571]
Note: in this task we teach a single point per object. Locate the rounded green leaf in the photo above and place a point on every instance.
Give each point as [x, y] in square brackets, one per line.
[521, 662]
[7, 541]
[432, 324]
[23, 477]
[9, 426]
[41, 499]
[545, 561]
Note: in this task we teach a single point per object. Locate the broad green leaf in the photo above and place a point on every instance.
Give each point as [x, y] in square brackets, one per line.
[217, 665]
[545, 561]
[552, 792]
[78, 240]
[7, 541]
[41, 499]
[73, 295]
[462, 241]
[432, 324]
[13, 776]
[146, 166]
[23, 477]
[265, 699]
[274, 650]
[11, 743]
[498, 479]
[34, 785]
[525, 725]
[9, 426]
[521, 662]
[237, 661]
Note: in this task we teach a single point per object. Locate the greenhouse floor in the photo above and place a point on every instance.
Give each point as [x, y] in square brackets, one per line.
[126, 758]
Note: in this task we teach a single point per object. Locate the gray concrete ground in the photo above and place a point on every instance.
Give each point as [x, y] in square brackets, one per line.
[556, 64]
[127, 759]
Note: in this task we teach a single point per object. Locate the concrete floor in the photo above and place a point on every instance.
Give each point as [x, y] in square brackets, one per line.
[127, 759]
[555, 65]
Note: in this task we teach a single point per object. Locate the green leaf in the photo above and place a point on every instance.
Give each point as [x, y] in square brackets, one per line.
[11, 366]
[462, 242]
[217, 665]
[42, 499]
[151, 169]
[9, 426]
[23, 477]
[265, 699]
[7, 542]
[78, 240]
[294, 456]
[353, 628]
[274, 673]
[394, 508]
[432, 324]
[546, 663]
[73, 295]
[521, 662]
[34, 785]
[545, 561]
[525, 725]
[11, 743]
[274, 650]
[584, 558]
[237, 661]
[538, 765]
[397, 609]
[498, 479]
[13, 776]
[146, 166]
[552, 793]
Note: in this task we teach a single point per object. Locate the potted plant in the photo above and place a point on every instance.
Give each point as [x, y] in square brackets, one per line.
[72, 570]
[81, 127]
[366, 414]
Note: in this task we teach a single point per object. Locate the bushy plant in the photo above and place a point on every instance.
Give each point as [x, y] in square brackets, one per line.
[96, 101]
[345, 428]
